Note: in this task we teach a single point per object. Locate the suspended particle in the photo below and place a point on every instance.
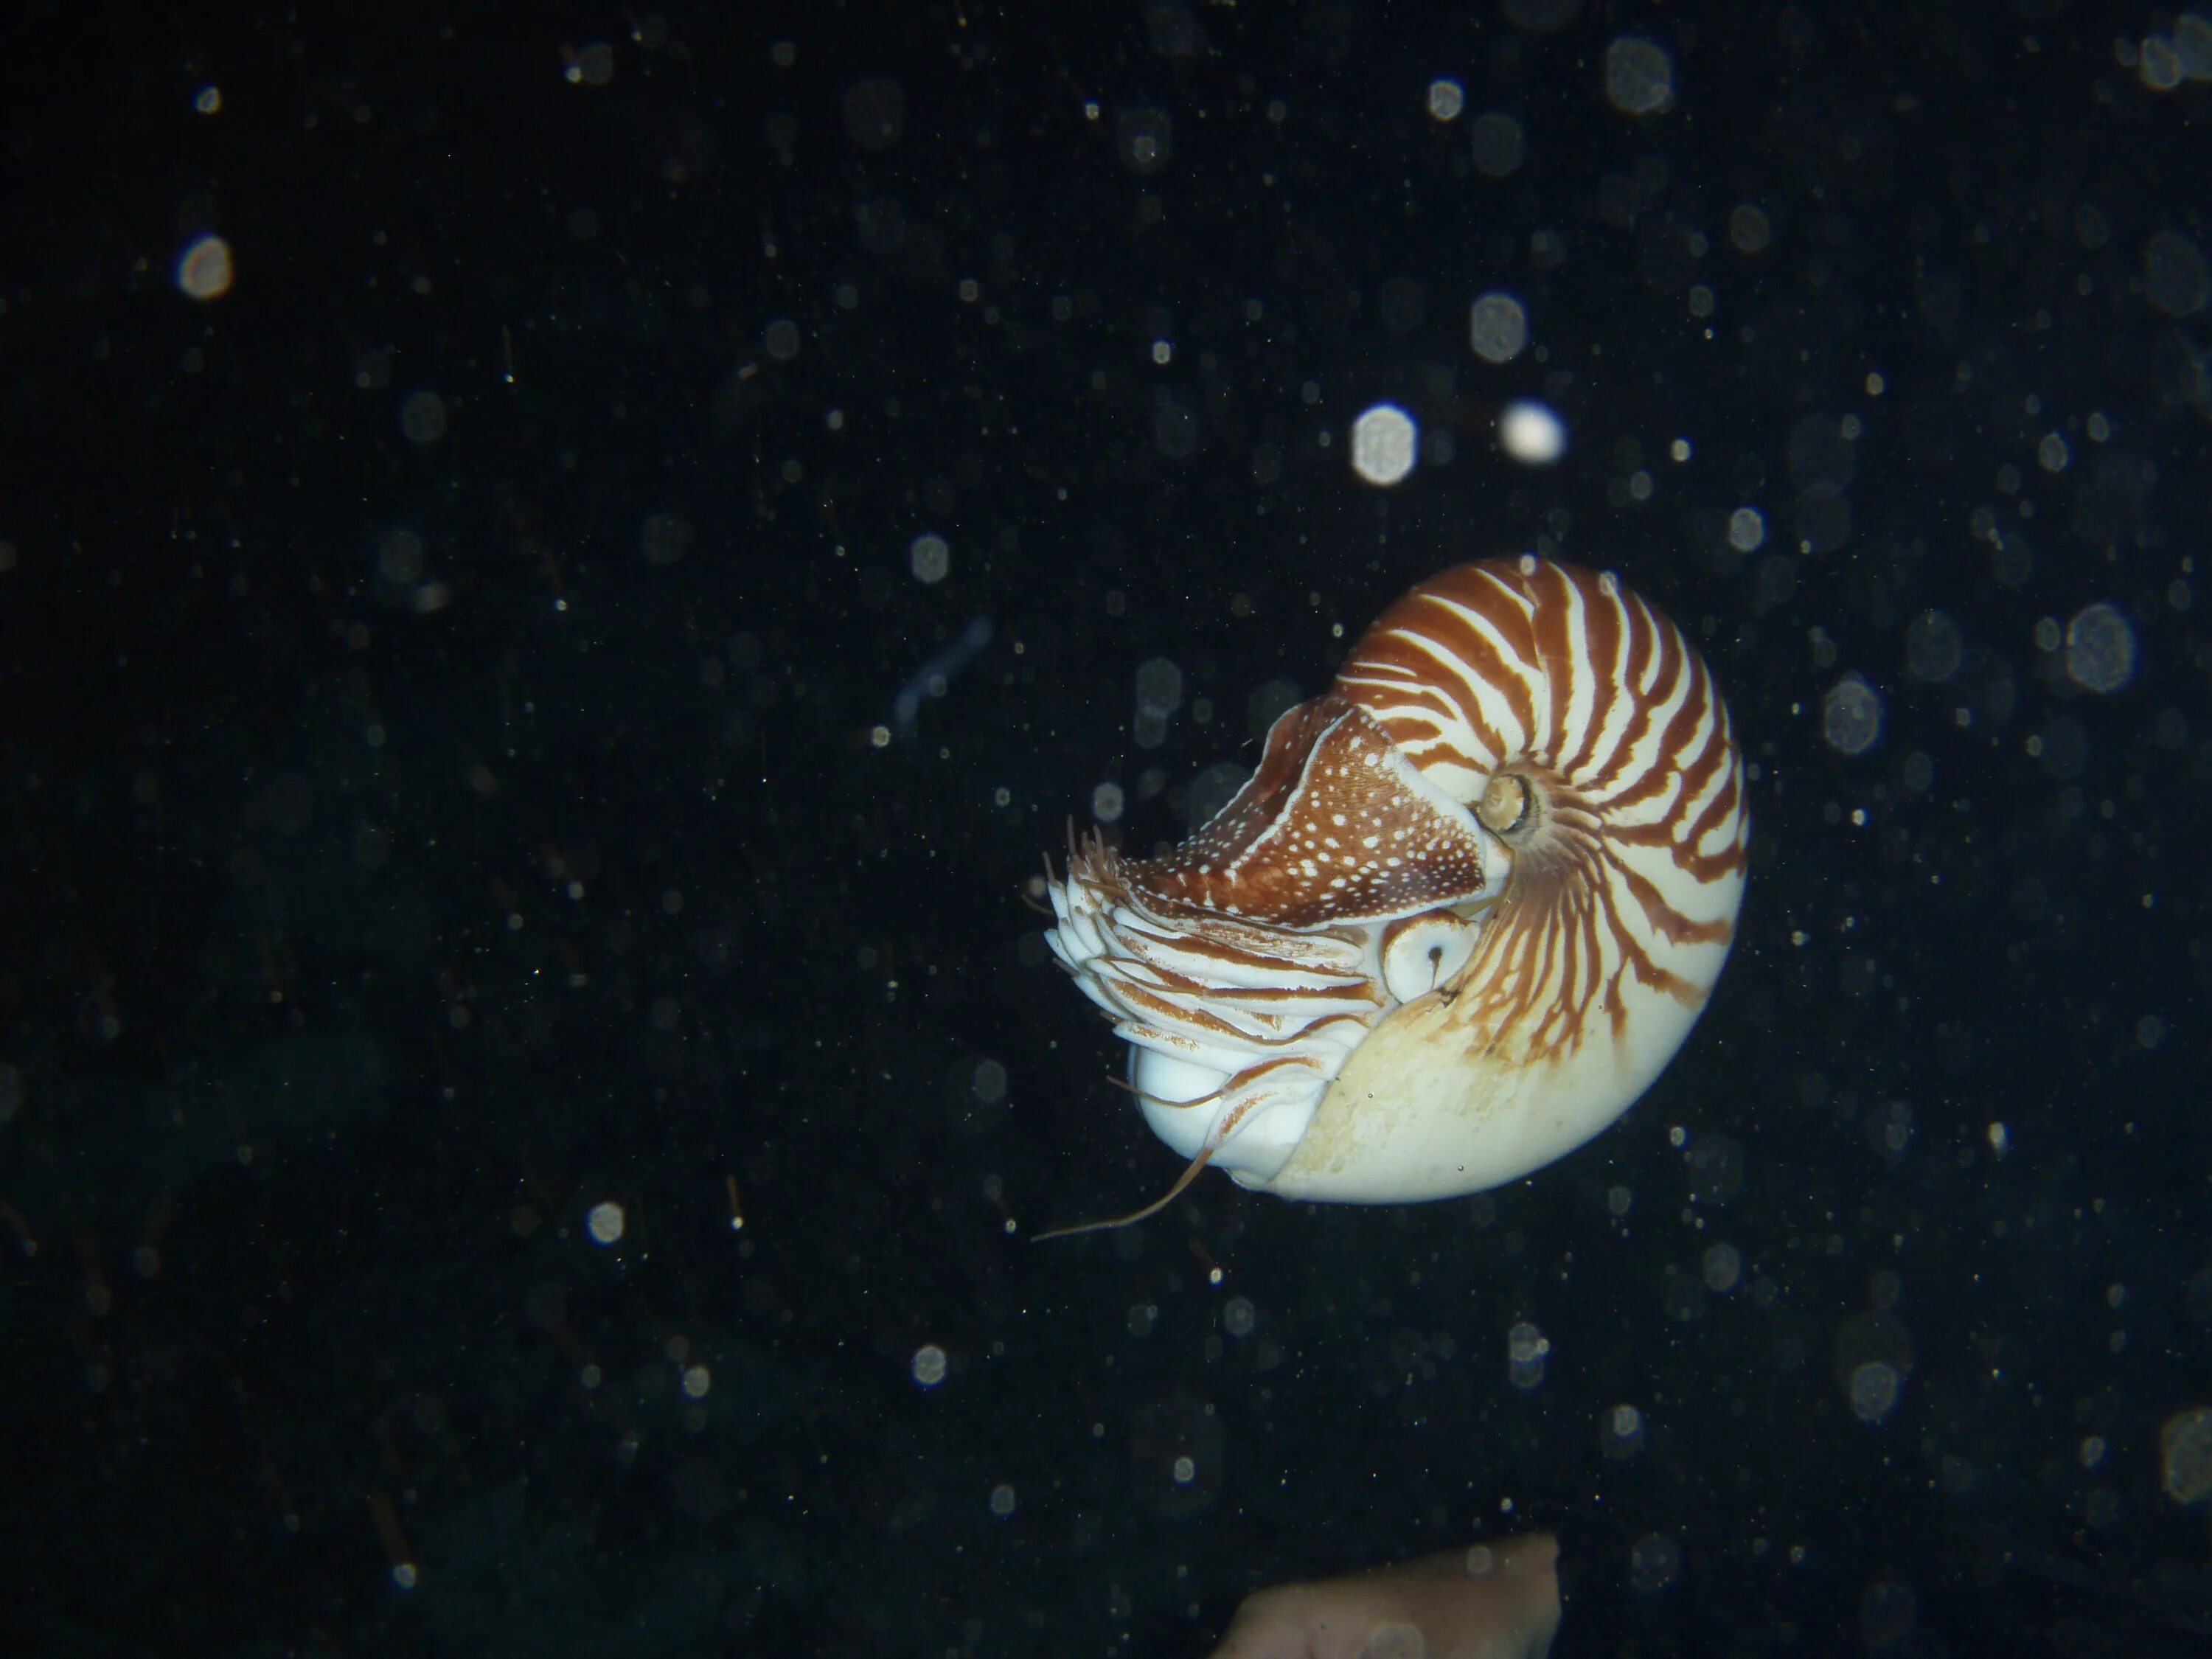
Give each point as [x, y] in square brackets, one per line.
[1932, 649]
[1750, 229]
[929, 556]
[1146, 137]
[929, 1365]
[1384, 445]
[1159, 685]
[663, 537]
[1497, 327]
[1447, 97]
[1746, 529]
[400, 559]
[1620, 1432]
[1874, 1390]
[1499, 145]
[422, 418]
[2100, 648]
[1655, 1561]
[204, 269]
[1527, 1348]
[1850, 715]
[1532, 433]
[1724, 1268]
[605, 1222]
[1639, 77]
[2184, 1454]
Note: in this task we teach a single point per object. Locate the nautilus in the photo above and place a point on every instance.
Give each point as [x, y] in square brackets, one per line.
[1463, 913]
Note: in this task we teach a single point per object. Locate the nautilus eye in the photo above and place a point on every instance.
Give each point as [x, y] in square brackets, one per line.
[1503, 806]
[1462, 915]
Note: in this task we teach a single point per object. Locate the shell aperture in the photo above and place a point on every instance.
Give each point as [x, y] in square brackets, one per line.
[1462, 916]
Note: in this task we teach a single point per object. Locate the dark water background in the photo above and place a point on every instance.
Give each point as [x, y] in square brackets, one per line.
[442, 793]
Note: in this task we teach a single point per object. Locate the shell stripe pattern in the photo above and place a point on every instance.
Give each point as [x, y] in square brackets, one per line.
[1566, 676]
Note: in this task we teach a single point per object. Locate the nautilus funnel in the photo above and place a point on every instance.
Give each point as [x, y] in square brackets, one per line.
[1463, 913]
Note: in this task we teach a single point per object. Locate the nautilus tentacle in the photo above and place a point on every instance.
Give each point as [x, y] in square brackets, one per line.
[1463, 913]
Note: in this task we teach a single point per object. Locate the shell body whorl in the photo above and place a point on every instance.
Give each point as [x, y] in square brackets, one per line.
[1462, 916]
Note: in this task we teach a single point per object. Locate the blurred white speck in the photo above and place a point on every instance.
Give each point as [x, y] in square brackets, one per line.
[1621, 1431]
[400, 559]
[987, 1083]
[930, 557]
[1238, 1315]
[1447, 97]
[208, 102]
[1497, 327]
[1850, 715]
[2000, 1139]
[405, 1575]
[1932, 649]
[1002, 1500]
[1874, 1390]
[1159, 685]
[779, 339]
[2192, 45]
[1532, 433]
[1724, 1268]
[593, 66]
[1655, 1561]
[1106, 801]
[928, 1364]
[1384, 442]
[422, 418]
[1639, 77]
[605, 1222]
[1746, 529]
[1186, 1471]
[696, 1380]
[1497, 144]
[1526, 1350]
[2100, 648]
[1749, 229]
[2184, 1449]
[204, 269]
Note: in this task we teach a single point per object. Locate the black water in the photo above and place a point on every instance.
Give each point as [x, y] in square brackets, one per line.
[453, 778]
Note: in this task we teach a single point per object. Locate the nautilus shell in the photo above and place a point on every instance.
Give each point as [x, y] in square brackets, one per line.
[1462, 915]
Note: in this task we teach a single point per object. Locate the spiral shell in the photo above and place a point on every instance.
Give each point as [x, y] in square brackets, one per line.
[1463, 913]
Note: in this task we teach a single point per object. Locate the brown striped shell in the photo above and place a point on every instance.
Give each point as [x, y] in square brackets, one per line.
[1462, 915]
